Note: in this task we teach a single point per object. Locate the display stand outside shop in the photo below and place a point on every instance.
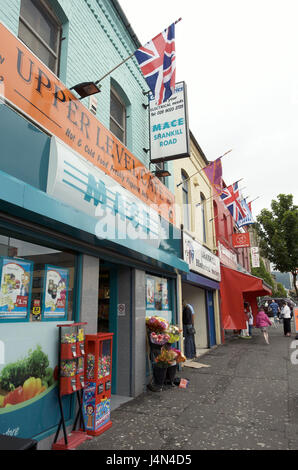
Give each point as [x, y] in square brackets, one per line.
[98, 378]
[71, 380]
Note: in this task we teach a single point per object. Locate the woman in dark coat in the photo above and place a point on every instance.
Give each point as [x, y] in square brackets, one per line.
[188, 331]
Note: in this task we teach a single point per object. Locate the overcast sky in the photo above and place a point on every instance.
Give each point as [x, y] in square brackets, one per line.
[239, 59]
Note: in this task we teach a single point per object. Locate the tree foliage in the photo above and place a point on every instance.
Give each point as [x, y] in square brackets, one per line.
[278, 232]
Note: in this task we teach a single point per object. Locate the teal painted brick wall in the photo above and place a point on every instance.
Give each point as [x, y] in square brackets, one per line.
[95, 41]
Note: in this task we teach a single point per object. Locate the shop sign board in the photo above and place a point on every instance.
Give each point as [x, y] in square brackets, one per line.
[28, 85]
[169, 132]
[118, 214]
[200, 259]
[226, 256]
[255, 257]
[241, 240]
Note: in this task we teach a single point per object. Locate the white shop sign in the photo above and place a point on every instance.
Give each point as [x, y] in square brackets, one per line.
[255, 257]
[200, 259]
[119, 214]
[169, 133]
[227, 257]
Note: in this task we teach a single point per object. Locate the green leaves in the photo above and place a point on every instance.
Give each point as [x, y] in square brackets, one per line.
[278, 232]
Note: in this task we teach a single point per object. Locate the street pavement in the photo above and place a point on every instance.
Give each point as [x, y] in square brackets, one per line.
[245, 398]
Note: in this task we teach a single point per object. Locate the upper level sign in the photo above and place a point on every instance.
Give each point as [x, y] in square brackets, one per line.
[33, 89]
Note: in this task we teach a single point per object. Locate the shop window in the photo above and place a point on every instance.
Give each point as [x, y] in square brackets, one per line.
[36, 282]
[117, 116]
[185, 200]
[160, 167]
[158, 297]
[40, 30]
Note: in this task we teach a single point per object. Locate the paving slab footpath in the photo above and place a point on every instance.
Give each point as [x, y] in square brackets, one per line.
[245, 398]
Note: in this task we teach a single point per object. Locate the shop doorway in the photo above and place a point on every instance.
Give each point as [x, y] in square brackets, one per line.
[196, 297]
[110, 293]
[104, 296]
[211, 319]
[107, 310]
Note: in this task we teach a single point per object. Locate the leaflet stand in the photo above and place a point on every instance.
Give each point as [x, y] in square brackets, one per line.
[71, 380]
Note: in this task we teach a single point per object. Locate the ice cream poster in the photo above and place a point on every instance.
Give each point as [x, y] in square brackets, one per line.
[55, 293]
[15, 288]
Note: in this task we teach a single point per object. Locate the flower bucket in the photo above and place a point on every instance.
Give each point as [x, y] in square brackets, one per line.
[159, 374]
[171, 373]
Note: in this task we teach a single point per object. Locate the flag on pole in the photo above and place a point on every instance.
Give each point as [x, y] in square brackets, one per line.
[247, 220]
[214, 173]
[157, 60]
[231, 197]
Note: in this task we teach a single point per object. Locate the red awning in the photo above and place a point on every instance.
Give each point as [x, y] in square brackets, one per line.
[235, 288]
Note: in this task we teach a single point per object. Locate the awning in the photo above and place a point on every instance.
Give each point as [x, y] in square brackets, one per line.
[235, 288]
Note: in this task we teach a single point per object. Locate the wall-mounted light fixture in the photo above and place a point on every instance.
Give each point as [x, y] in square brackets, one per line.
[161, 173]
[85, 89]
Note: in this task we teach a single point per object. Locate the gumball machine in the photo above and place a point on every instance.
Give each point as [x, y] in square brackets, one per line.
[98, 380]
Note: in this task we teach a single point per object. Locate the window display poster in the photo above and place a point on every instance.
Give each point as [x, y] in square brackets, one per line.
[15, 288]
[150, 293]
[55, 292]
[157, 294]
[164, 295]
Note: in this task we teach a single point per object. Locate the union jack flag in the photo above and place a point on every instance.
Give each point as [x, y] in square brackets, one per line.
[231, 198]
[157, 60]
[248, 219]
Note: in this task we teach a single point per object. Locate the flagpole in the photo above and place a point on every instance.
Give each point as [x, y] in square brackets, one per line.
[199, 203]
[187, 179]
[253, 200]
[127, 58]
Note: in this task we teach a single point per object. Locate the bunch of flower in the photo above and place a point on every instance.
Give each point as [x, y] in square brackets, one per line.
[166, 357]
[159, 338]
[179, 356]
[157, 324]
[173, 331]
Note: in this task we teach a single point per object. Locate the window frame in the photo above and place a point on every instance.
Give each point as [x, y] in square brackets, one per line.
[122, 103]
[203, 215]
[185, 200]
[43, 6]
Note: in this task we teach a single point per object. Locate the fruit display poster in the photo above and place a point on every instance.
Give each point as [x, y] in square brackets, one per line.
[15, 288]
[55, 293]
[29, 379]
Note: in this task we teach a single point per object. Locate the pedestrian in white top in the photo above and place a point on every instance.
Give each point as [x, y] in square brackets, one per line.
[286, 316]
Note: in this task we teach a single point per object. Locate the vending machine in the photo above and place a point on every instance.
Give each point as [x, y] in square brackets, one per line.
[98, 383]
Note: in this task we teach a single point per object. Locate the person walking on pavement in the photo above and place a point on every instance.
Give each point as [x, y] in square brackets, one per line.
[189, 331]
[250, 318]
[286, 317]
[274, 308]
[262, 322]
